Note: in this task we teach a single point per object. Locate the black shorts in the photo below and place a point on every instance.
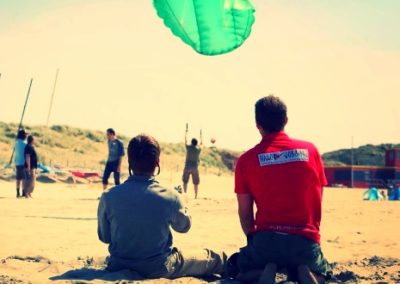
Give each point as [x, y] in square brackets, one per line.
[20, 172]
[195, 175]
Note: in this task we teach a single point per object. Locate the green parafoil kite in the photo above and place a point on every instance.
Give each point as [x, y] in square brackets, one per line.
[210, 27]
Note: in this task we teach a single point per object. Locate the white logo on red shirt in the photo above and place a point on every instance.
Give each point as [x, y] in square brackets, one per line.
[283, 157]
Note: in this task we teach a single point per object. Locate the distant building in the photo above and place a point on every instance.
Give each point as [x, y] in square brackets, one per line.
[366, 176]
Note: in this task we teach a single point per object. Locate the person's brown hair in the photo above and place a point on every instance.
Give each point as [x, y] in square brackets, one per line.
[143, 155]
[271, 114]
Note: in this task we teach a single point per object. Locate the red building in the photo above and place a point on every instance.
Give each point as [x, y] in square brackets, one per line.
[365, 176]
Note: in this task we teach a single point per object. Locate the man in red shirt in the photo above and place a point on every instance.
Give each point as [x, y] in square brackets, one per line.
[284, 178]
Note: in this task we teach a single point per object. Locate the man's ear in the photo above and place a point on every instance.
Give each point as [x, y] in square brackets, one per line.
[260, 129]
[286, 120]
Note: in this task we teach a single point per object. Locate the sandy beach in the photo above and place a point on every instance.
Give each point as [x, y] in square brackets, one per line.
[53, 237]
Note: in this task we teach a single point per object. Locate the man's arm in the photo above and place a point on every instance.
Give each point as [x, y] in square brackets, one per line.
[246, 212]
[103, 225]
[186, 132]
[119, 164]
[181, 220]
[201, 139]
[121, 154]
[28, 162]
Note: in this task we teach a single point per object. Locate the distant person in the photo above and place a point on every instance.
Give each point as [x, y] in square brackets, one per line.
[192, 164]
[383, 194]
[390, 188]
[284, 178]
[136, 217]
[19, 160]
[114, 160]
[31, 164]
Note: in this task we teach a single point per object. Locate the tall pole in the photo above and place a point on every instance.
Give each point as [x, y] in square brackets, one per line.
[22, 117]
[352, 162]
[52, 98]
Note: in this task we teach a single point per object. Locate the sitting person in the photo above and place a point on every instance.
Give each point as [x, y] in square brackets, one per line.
[284, 178]
[136, 217]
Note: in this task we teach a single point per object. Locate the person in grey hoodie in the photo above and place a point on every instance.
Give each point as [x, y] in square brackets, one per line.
[136, 217]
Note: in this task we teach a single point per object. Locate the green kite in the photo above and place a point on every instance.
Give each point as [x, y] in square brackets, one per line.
[210, 27]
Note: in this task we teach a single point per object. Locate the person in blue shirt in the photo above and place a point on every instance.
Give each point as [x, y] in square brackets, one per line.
[114, 160]
[136, 217]
[19, 160]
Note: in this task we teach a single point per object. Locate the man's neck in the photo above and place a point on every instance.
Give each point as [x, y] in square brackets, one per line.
[268, 134]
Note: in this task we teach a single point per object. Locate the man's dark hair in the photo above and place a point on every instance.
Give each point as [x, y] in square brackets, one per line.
[271, 114]
[21, 134]
[30, 139]
[143, 154]
[194, 142]
[111, 131]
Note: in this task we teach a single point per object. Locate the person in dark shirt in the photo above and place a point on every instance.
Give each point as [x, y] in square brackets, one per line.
[135, 219]
[114, 160]
[31, 164]
[192, 164]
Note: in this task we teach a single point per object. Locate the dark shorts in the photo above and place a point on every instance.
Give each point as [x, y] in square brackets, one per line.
[111, 167]
[195, 175]
[286, 251]
[20, 172]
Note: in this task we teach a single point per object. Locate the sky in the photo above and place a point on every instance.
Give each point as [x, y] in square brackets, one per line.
[336, 64]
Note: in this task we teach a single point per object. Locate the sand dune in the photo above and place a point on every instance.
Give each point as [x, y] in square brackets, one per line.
[53, 236]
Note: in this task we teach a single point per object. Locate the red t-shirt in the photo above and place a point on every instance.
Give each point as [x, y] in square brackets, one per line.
[285, 177]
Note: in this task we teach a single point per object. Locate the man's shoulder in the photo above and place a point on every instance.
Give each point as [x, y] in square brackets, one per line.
[20, 142]
[250, 152]
[298, 143]
[165, 193]
[248, 155]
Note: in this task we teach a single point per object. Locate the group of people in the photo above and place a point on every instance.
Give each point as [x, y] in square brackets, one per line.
[26, 163]
[116, 153]
[281, 178]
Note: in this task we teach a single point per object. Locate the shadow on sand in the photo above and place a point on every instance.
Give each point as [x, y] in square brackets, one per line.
[64, 218]
[90, 274]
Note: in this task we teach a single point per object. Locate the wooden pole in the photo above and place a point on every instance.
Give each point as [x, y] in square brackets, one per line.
[52, 98]
[22, 117]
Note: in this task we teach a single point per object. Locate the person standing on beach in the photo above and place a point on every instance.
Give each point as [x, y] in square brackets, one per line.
[192, 163]
[136, 217]
[114, 160]
[19, 160]
[31, 164]
[284, 178]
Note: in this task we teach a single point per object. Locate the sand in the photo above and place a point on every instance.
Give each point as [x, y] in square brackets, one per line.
[53, 237]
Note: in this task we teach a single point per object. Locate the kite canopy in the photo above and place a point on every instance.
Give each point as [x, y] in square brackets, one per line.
[210, 27]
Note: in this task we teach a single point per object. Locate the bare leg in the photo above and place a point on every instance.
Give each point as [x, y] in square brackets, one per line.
[268, 274]
[307, 277]
[18, 187]
[185, 187]
[196, 190]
